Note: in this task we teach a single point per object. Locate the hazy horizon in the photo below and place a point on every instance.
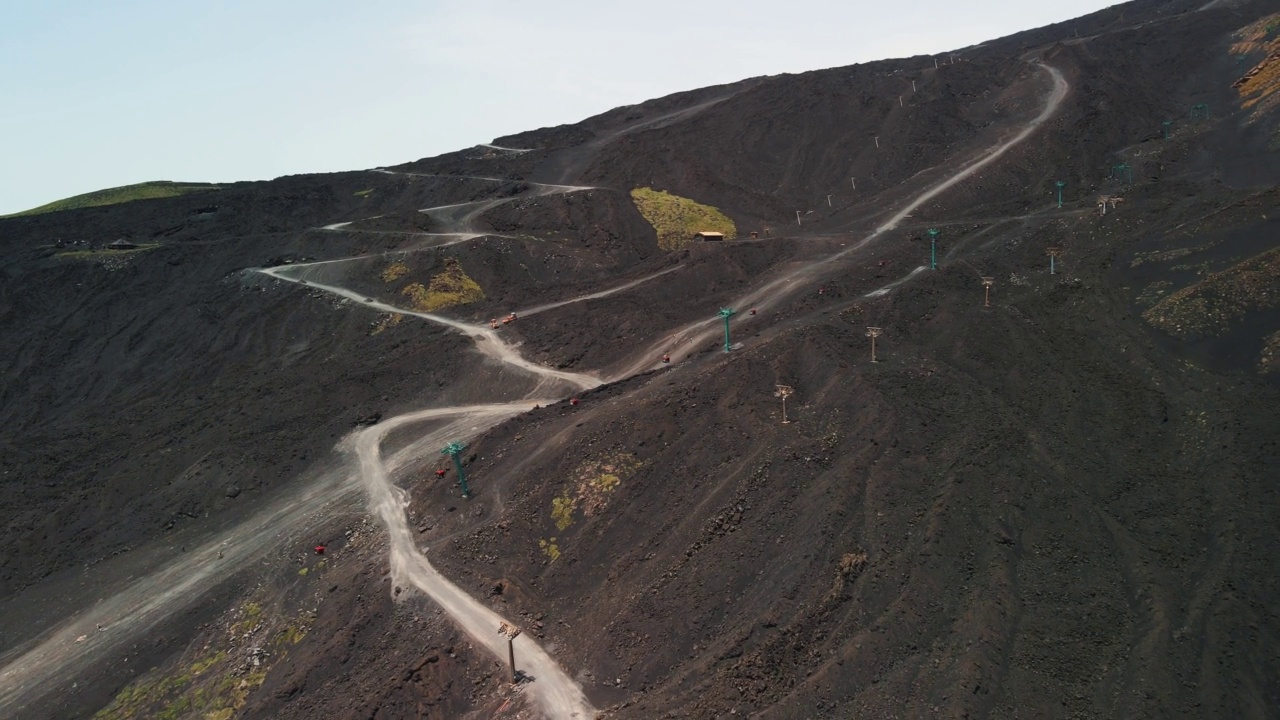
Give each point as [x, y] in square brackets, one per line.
[100, 97]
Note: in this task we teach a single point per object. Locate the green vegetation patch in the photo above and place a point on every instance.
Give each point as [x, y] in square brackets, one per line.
[163, 697]
[364, 193]
[251, 612]
[595, 480]
[550, 548]
[291, 635]
[217, 684]
[562, 511]
[386, 322]
[115, 196]
[451, 287]
[677, 219]
[394, 272]
[588, 492]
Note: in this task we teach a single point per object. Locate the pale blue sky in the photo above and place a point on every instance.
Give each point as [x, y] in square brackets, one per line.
[98, 94]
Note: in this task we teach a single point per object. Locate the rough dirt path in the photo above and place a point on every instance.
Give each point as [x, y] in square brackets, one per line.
[596, 295]
[57, 658]
[679, 343]
[66, 652]
[487, 340]
[557, 693]
[569, 163]
[518, 151]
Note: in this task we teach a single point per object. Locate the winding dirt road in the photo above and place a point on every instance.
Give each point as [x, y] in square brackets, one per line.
[679, 343]
[59, 656]
[555, 691]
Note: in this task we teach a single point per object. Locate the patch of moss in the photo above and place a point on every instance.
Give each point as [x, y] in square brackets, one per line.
[596, 479]
[209, 687]
[364, 193]
[199, 666]
[386, 322]
[291, 635]
[562, 511]
[251, 612]
[142, 698]
[394, 272]
[447, 289]
[677, 219]
[550, 548]
[176, 709]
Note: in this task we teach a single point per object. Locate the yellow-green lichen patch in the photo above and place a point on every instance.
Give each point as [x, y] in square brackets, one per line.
[677, 219]
[394, 272]
[218, 682]
[596, 479]
[449, 288]
[251, 618]
[588, 492]
[550, 548]
[562, 511]
[386, 322]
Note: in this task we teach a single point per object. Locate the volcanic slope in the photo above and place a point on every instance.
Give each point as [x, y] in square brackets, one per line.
[1060, 505]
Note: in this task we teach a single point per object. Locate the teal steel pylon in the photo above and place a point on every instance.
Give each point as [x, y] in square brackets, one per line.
[933, 249]
[1060, 186]
[453, 449]
[1200, 112]
[727, 313]
[1122, 172]
[1167, 124]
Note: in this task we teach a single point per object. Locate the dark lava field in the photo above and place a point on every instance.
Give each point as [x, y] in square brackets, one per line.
[1056, 496]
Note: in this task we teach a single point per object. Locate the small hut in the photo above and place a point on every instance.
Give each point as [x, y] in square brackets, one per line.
[709, 236]
[122, 244]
